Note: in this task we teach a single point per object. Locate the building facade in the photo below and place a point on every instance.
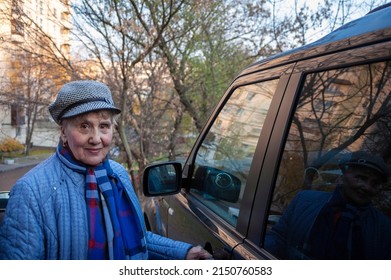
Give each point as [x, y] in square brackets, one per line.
[34, 36]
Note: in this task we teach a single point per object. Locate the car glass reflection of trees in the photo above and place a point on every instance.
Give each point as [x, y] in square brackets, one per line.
[339, 110]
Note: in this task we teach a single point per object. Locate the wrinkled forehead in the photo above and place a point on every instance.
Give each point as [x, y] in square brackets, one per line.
[101, 114]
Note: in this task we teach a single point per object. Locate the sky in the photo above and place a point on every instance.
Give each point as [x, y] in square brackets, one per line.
[357, 10]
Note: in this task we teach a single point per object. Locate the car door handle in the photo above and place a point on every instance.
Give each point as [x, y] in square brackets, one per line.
[218, 254]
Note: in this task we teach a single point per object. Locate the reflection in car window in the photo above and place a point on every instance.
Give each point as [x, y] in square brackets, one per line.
[224, 158]
[339, 112]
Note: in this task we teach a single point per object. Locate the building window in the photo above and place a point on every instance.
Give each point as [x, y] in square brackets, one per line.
[17, 115]
[17, 27]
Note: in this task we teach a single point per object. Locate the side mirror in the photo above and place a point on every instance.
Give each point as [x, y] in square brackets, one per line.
[162, 179]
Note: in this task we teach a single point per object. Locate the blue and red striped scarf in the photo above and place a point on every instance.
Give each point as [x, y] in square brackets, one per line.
[114, 231]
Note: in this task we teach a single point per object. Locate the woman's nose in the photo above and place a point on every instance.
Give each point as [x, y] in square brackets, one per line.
[95, 137]
[368, 184]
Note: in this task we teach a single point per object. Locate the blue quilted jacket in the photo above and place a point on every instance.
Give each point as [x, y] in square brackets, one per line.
[46, 217]
[288, 237]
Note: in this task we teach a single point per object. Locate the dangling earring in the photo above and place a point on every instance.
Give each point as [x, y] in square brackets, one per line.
[65, 144]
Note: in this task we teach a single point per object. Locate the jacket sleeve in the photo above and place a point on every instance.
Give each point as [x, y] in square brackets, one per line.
[21, 234]
[163, 248]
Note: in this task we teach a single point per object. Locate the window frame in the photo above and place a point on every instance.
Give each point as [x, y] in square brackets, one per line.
[282, 73]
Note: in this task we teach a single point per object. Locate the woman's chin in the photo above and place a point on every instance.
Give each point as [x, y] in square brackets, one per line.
[92, 161]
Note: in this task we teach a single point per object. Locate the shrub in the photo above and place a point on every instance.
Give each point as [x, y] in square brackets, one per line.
[10, 145]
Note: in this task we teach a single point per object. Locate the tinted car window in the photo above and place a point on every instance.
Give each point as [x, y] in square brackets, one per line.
[338, 112]
[223, 160]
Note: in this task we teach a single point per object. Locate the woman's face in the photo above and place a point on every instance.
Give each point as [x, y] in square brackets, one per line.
[360, 185]
[88, 136]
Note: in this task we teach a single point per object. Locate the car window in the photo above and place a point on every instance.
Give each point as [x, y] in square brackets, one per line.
[340, 113]
[224, 158]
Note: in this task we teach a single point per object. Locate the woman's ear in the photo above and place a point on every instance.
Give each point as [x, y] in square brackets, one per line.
[339, 179]
[63, 134]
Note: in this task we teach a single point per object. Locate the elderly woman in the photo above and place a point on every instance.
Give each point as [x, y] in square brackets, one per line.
[78, 204]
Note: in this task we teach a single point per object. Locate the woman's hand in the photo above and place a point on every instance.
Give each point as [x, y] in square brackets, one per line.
[198, 253]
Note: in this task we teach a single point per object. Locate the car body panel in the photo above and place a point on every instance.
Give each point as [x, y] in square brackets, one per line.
[4, 196]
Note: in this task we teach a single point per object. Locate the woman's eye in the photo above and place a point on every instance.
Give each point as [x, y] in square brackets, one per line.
[84, 126]
[105, 126]
[359, 177]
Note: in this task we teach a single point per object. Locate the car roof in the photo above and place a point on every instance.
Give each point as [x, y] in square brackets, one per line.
[373, 27]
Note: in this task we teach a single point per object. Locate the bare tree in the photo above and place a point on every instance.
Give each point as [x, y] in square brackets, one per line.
[120, 35]
[37, 90]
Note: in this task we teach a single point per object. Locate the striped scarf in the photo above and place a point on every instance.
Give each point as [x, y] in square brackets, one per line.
[336, 232]
[114, 231]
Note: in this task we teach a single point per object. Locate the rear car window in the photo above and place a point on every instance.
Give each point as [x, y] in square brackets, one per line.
[339, 113]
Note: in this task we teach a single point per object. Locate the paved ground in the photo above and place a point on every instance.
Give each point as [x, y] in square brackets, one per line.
[22, 162]
[9, 173]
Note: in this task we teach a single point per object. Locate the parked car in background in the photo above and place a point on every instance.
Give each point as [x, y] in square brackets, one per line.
[280, 128]
[4, 196]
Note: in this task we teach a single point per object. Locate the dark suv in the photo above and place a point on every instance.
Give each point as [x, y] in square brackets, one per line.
[265, 178]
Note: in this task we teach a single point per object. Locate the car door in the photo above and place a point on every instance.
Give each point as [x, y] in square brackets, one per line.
[222, 171]
[334, 104]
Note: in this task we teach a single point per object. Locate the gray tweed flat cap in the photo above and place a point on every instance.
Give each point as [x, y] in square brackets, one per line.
[80, 97]
[364, 159]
